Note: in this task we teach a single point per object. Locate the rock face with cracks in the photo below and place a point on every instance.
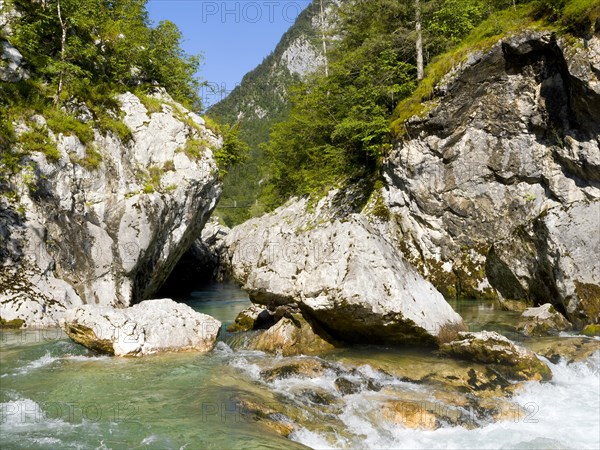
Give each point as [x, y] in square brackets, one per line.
[151, 326]
[340, 273]
[107, 234]
[495, 192]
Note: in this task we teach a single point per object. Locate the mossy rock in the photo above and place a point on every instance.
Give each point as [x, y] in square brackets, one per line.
[513, 305]
[13, 324]
[589, 296]
[569, 349]
[542, 321]
[591, 330]
[87, 337]
[255, 317]
[291, 336]
[303, 368]
[505, 357]
[266, 417]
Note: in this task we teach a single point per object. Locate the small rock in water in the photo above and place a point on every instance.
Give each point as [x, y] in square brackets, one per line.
[543, 320]
[347, 387]
[267, 417]
[592, 330]
[151, 326]
[290, 336]
[317, 396]
[512, 361]
[571, 349]
[307, 368]
[256, 317]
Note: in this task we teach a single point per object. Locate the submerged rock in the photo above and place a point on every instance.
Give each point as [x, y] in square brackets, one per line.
[342, 274]
[488, 347]
[409, 414]
[151, 326]
[347, 387]
[570, 349]
[304, 367]
[542, 321]
[267, 417]
[512, 305]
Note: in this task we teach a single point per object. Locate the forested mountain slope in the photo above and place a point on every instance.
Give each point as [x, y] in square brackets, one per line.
[262, 100]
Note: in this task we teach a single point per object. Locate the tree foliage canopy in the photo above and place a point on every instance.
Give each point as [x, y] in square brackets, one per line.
[107, 42]
[339, 126]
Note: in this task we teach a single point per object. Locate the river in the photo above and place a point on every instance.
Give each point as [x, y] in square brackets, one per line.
[55, 394]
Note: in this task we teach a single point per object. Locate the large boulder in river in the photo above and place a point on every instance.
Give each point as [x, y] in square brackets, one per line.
[488, 347]
[106, 222]
[339, 272]
[495, 190]
[151, 326]
[542, 321]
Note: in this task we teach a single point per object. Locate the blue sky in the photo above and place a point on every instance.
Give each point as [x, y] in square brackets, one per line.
[234, 36]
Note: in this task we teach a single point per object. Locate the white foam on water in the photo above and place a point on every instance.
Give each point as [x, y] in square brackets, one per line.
[223, 348]
[150, 439]
[25, 414]
[103, 446]
[86, 358]
[43, 361]
[46, 441]
[48, 359]
[561, 414]
[251, 369]
[311, 439]
[25, 423]
[389, 380]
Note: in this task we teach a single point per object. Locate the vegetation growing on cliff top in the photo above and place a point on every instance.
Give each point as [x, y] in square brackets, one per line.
[74, 45]
[86, 52]
[340, 125]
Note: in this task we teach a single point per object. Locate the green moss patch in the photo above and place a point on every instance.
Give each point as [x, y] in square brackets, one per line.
[591, 330]
[37, 140]
[13, 324]
[589, 295]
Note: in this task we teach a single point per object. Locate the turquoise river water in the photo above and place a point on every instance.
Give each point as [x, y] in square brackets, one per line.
[55, 394]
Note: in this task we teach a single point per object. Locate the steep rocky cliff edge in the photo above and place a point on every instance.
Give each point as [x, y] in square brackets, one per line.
[107, 233]
[97, 203]
[496, 191]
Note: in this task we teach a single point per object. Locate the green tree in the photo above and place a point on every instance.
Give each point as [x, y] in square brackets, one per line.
[456, 18]
[234, 149]
[339, 129]
[75, 46]
[168, 64]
